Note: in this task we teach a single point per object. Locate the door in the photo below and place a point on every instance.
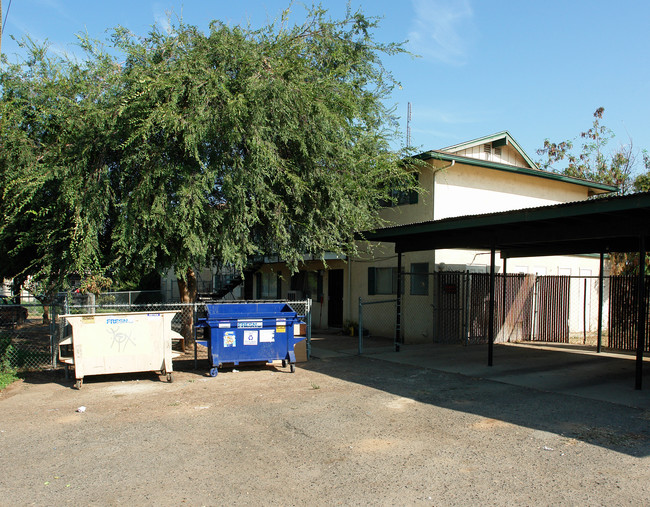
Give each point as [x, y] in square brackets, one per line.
[335, 298]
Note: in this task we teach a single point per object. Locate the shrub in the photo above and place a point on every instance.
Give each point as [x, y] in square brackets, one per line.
[7, 371]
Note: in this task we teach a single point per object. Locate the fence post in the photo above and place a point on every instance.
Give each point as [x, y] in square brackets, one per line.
[53, 338]
[360, 327]
[641, 320]
[309, 307]
[196, 321]
[535, 301]
[491, 310]
[600, 304]
[584, 314]
[503, 303]
[398, 319]
[467, 311]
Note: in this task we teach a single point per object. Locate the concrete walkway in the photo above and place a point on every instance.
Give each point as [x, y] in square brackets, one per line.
[566, 369]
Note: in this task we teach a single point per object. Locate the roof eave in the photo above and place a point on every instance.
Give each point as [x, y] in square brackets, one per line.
[595, 188]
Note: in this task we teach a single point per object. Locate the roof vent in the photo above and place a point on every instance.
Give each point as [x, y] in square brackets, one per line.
[487, 148]
[497, 152]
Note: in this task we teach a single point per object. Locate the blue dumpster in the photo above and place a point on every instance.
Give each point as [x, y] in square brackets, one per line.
[250, 332]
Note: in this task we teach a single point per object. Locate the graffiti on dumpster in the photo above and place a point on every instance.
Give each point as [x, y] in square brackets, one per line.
[120, 339]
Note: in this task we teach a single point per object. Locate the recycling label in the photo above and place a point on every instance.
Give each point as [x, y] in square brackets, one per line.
[250, 337]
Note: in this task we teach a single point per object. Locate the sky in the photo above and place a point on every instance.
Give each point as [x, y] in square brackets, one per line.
[536, 69]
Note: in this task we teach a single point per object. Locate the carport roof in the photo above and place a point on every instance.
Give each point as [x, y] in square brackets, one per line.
[606, 224]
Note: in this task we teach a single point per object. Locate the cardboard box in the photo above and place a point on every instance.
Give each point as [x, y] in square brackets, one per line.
[300, 350]
[300, 329]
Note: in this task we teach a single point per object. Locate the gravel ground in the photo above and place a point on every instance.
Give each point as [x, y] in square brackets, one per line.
[346, 431]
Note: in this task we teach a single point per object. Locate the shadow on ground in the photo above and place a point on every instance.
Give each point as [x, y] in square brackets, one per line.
[567, 391]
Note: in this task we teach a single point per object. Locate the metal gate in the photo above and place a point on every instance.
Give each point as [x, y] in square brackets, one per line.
[448, 309]
[552, 309]
[623, 306]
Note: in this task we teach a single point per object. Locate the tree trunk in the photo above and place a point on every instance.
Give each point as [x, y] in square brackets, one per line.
[187, 290]
[46, 312]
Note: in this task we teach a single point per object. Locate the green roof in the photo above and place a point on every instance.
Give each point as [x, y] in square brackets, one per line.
[503, 138]
[597, 188]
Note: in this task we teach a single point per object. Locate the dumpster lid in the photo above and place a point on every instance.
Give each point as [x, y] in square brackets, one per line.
[249, 310]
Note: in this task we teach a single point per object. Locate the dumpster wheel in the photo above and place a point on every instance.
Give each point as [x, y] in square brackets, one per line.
[284, 363]
[78, 383]
[292, 368]
[214, 372]
[170, 377]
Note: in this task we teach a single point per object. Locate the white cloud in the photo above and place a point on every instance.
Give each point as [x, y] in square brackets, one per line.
[161, 18]
[441, 30]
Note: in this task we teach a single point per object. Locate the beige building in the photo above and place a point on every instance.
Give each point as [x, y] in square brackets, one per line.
[485, 175]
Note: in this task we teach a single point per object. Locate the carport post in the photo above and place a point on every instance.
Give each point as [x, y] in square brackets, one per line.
[600, 303]
[640, 324]
[398, 305]
[503, 303]
[491, 311]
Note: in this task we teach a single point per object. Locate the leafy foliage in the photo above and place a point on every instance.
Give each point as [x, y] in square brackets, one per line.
[642, 181]
[54, 166]
[7, 370]
[592, 162]
[194, 148]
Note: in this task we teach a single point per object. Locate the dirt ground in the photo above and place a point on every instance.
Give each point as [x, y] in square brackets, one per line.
[340, 431]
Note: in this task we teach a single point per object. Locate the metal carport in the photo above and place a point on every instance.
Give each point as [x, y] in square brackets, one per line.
[602, 225]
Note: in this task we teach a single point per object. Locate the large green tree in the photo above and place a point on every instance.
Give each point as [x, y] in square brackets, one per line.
[186, 148]
[55, 158]
[241, 142]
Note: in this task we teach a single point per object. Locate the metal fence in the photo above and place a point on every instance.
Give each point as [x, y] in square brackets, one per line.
[30, 332]
[377, 318]
[26, 333]
[453, 307]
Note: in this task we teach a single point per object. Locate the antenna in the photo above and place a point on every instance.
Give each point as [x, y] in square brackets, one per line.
[408, 126]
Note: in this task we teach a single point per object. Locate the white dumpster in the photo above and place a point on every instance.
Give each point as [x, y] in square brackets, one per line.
[104, 343]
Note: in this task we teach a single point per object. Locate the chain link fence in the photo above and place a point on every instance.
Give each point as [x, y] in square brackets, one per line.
[377, 320]
[30, 331]
[26, 332]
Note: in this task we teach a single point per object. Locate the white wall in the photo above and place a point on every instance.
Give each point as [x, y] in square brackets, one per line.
[467, 190]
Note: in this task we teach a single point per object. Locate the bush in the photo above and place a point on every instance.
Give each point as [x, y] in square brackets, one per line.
[7, 371]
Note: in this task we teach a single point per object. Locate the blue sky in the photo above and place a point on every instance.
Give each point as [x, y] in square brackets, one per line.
[537, 69]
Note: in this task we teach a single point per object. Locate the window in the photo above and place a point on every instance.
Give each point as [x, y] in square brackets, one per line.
[382, 281]
[420, 278]
[269, 285]
[400, 197]
[309, 283]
